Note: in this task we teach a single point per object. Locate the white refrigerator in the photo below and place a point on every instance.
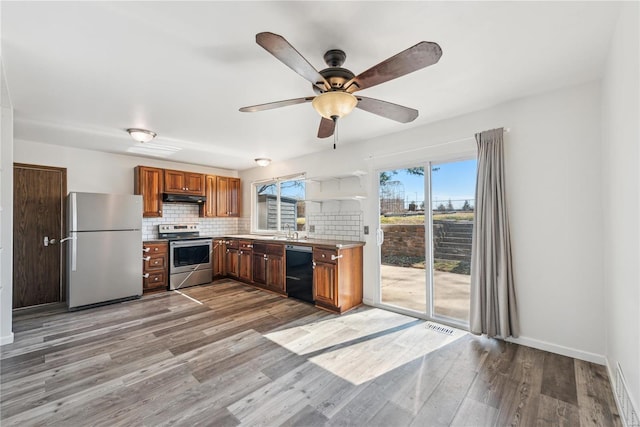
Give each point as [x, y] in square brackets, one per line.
[104, 248]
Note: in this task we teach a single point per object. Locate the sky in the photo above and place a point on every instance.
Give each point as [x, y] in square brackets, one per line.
[455, 181]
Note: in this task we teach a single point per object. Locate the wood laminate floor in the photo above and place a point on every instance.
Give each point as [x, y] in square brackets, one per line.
[235, 355]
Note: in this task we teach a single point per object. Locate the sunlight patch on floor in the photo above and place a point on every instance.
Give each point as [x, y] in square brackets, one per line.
[363, 345]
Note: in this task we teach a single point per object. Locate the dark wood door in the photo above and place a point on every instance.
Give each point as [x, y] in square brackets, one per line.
[259, 268]
[38, 212]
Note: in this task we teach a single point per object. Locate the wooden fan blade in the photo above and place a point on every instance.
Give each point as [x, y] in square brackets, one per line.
[279, 47]
[277, 104]
[387, 109]
[327, 126]
[416, 57]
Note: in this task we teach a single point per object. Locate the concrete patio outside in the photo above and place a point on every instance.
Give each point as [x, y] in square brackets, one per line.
[406, 287]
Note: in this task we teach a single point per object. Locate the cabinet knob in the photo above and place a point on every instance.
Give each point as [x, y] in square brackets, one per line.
[145, 275]
[146, 258]
[156, 249]
[146, 249]
[159, 212]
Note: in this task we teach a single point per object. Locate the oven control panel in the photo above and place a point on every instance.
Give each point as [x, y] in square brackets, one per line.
[178, 228]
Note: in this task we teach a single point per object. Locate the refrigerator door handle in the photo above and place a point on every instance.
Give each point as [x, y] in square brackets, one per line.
[74, 253]
[74, 211]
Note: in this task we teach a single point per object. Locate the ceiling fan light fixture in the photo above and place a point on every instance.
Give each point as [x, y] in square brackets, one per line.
[141, 135]
[262, 161]
[334, 104]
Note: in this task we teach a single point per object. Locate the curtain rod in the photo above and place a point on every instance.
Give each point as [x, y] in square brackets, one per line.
[395, 153]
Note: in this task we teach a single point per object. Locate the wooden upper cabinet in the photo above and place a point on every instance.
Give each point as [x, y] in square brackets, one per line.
[180, 182]
[208, 209]
[228, 196]
[149, 182]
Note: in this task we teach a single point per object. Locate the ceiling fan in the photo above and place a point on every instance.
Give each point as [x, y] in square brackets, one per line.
[335, 86]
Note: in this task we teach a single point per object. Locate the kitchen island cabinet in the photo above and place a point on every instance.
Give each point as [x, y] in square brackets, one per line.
[149, 182]
[155, 256]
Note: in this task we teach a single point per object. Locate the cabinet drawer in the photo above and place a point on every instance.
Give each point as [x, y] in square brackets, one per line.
[325, 255]
[155, 262]
[233, 244]
[259, 248]
[155, 248]
[155, 280]
[247, 245]
[275, 250]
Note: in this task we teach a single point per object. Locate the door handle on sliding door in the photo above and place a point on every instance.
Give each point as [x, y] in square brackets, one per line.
[379, 236]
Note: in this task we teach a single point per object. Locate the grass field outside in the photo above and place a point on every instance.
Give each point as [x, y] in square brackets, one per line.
[419, 219]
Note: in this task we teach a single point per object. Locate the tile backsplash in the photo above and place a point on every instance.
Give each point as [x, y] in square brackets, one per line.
[175, 213]
[341, 225]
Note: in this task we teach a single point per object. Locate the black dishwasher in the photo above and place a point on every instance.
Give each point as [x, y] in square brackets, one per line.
[299, 263]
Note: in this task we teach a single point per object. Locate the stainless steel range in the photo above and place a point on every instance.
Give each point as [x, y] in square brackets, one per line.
[190, 259]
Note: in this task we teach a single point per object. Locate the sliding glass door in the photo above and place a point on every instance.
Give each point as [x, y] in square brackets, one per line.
[424, 235]
[402, 237]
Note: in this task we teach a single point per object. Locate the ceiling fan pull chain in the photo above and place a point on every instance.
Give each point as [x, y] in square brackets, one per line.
[335, 132]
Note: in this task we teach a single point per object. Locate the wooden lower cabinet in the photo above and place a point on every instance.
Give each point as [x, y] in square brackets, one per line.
[231, 264]
[268, 267]
[325, 284]
[244, 267]
[337, 278]
[337, 273]
[155, 265]
[219, 254]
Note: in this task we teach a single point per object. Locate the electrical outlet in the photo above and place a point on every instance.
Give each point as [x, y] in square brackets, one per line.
[366, 229]
[312, 229]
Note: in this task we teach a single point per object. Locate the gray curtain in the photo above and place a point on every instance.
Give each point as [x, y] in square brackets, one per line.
[493, 299]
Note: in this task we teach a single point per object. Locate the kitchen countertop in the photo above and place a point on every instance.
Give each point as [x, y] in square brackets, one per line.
[339, 244]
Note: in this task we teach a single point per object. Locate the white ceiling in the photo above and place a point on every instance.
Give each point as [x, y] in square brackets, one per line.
[80, 73]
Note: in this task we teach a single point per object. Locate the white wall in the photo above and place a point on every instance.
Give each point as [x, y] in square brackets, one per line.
[6, 213]
[93, 171]
[553, 171]
[620, 204]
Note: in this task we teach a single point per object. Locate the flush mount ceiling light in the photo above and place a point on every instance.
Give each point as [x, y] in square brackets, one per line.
[263, 161]
[334, 104]
[141, 135]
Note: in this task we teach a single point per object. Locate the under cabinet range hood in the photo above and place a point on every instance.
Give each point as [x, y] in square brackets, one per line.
[183, 198]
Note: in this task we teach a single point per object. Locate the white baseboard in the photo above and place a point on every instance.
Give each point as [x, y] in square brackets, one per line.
[600, 359]
[8, 339]
[626, 407]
